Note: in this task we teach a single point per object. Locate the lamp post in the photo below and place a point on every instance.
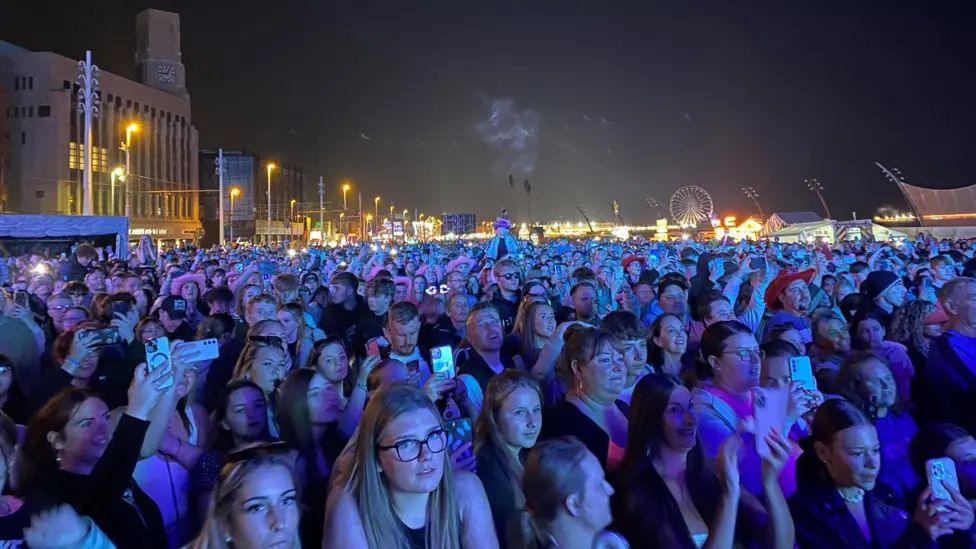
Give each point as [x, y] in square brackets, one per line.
[376, 208]
[341, 215]
[88, 105]
[345, 189]
[234, 191]
[753, 195]
[119, 174]
[293, 209]
[271, 166]
[129, 130]
[369, 219]
[815, 187]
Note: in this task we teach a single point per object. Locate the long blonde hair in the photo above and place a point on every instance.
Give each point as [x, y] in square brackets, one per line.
[369, 488]
[214, 533]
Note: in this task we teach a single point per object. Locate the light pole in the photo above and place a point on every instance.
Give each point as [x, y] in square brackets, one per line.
[129, 130]
[321, 210]
[369, 219]
[345, 189]
[293, 209]
[376, 207]
[815, 187]
[234, 191]
[341, 215]
[271, 166]
[88, 105]
[753, 195]
[391, 210]
[117, 173]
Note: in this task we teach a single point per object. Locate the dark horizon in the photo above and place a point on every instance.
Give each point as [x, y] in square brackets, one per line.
[592, 102]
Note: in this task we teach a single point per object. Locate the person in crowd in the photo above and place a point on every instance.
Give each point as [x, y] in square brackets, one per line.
[308, 419]
[256, 502]
[76, 268]
[730, 368]
[788, 333]
[567, 498]
[449, 328]
[670, 498]
[591, 410]
[339, 318]
[631, 343]
[509, 424]
[940, 440]
[298, 336]
[149, 328]
[887, 292]
[534, 324]
[190, 287]
[835, 504]
[668, 342]
[401, 332]
[916, 326]
[831, 344]
[70, 454]
[246, 294]
[483, 359]
[788, 296]
[265, 363]
[172, 313]
[401, 490]
[948, 383]
[219, 299]
[370, 322]
[868, 334]
[508, 275]
[869, 383]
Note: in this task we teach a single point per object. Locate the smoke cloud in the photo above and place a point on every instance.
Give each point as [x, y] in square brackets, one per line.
[514, 133]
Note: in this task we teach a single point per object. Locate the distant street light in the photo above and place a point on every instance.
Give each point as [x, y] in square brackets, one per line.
[271, 166]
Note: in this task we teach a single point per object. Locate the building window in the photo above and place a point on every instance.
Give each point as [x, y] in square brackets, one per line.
[30, 111]
[30, 82]
[16, 83]
[128, 103]
[23, 138]
[43, 111]
[65, 85]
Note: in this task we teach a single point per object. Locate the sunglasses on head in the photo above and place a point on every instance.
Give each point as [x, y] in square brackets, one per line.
[267, 340]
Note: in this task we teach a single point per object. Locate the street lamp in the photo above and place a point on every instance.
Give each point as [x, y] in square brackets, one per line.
[376, 207]
[345, 189]
[369, 219]
[271, 166]
[391, 210]
[117, 173]
[132, 128]
[293, 209]
[341, 215]
[234, 191]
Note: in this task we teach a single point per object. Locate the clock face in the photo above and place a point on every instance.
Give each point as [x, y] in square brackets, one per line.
[166, 73]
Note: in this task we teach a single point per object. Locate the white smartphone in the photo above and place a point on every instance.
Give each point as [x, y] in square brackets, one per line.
[941, 472]
[157, 356]
[442, 359]
[195, 351]
[769, 412]
[802, 373]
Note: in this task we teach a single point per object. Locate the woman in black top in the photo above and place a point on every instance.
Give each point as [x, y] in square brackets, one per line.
[71, 455]
[507, 428]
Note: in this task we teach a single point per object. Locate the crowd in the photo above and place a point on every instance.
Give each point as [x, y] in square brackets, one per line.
[574, 393]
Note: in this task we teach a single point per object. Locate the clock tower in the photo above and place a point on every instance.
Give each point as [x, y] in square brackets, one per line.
[158, 57]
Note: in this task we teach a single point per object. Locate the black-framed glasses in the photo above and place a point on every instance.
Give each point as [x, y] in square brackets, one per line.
[511, 276]
[753, 355]
[409, 449]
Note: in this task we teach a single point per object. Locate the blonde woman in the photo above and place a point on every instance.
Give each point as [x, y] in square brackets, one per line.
[298, 336]
[256, 502]
[402, 492]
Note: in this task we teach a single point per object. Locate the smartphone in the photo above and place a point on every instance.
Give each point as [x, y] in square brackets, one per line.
[157, 356]
[378, 346]
[769, 412]
[941, 472]
[459, 432]
[120, 308]
[20, 298]
[103, 337]
[195, 351]
[802, 373]
[442, 361]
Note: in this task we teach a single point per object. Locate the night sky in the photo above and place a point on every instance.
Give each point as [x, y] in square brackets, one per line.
[592, 101]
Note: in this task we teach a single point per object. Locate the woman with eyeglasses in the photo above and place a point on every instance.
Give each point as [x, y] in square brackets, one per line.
[591, 410]
[75, 452]
[256, 502]
[266, 364]
[506, 430]
[729, 370]
[402, 491]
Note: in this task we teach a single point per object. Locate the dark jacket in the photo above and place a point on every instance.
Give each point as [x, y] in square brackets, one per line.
[564, 418]
[470, 362]
[72, 270]
[439, 334]
[500, 492]
[111, 379]
[336, 320]
[946, 387]
[108, 494]
[821, 519]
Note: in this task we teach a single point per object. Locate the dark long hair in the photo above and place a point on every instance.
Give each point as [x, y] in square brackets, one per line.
[36, 459]
[223, 440]
[295, 424]
[713, 344]
[832, 417]
[655, 353]
[649, 497]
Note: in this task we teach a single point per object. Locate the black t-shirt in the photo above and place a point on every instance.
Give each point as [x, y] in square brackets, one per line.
[439, 334]
[337, 320]
[506, 310]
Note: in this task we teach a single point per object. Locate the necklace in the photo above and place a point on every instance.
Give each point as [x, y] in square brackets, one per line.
[855, 495]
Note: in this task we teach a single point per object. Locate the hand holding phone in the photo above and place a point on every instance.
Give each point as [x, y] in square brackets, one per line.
[769, 407]
[802, 373]
[941, 472]
[442, 361]
[158, 356]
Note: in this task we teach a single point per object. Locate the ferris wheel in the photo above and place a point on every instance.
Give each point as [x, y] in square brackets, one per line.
[691, 206]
